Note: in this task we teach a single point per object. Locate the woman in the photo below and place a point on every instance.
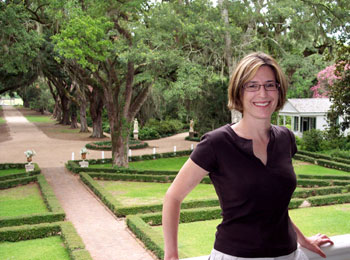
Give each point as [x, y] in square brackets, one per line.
[250, 165]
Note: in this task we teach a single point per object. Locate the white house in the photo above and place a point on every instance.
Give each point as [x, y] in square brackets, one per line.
[306, 114]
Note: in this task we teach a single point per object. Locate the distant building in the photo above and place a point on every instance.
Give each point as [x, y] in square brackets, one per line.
[306, 114]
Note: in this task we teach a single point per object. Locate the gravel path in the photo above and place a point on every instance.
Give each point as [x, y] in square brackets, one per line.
[105, 236]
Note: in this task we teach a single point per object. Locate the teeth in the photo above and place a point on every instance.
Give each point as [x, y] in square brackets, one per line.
[261, 104]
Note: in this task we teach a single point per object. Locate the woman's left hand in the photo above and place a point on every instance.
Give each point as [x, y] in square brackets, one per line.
[313, 243]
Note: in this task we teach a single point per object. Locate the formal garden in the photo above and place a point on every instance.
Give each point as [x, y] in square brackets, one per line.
[87, 71]
[137, 193]
[32, 220]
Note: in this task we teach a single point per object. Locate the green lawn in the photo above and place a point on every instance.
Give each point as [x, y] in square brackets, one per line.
[142, 193]
[163, 164]
[21, 200]
[197, 238]
[301, 168]
[37, 249]
[2, 120]
[11, 171]
[39, 119]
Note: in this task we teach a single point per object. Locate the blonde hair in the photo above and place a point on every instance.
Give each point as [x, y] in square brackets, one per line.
[246, 70]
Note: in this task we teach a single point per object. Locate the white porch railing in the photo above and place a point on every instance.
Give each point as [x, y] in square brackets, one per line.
[339, 251]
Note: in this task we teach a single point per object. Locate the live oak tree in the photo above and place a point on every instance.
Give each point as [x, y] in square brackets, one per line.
[111, 39]
[20, 45]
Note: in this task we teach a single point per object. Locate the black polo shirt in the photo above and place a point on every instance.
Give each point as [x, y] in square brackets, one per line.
[254, 198]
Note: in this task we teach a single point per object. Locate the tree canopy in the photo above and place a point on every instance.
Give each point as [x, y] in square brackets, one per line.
[173, 57]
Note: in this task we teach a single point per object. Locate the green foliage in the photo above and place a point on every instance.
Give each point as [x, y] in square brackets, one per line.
[340, 91]
[312, 140]
[148, 133]
[107, 145]
[85, 39]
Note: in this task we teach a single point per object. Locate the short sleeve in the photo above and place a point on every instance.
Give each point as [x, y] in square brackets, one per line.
[294, 148]
[203, 155]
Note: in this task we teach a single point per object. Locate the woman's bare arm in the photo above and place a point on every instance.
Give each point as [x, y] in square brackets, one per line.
[187, 179]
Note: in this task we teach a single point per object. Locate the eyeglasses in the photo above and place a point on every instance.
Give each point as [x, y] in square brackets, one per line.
[252, 87]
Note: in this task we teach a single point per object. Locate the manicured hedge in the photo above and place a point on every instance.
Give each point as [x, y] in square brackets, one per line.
[321, 177]
[329, 199]
[304, 158]
[116, 207]
[324, 157]
[56, 212]
[305, 193]
[15, 182]
[18, 175]
[74, 165]
[140, 224]
[324, 160]
[5, 166]
[71, 239]
[152, 240]
[334, 165]
[313, 182]
[107, 145]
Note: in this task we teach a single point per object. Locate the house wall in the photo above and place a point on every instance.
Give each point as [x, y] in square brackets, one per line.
[321, 122]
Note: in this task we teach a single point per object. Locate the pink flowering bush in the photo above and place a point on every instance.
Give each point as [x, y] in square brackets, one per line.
[326, 78]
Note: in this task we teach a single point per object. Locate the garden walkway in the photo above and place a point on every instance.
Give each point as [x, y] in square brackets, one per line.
[105, 236]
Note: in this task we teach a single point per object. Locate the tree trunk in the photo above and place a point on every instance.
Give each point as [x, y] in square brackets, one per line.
[73, 116]
[65, 110]
[228, 40]
[97, 130]
[83, 121]
[120, 146]
[26, 103]
[96, 108]
[57, 112]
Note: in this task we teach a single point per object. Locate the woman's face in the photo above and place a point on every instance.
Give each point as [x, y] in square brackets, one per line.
[260, 104]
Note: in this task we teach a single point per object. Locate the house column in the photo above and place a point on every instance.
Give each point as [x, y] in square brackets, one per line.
[299, 124]
[284, 120]
[292, 123]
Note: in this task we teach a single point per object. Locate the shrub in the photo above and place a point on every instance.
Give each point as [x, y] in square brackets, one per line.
[312, 140]
[341, 154]
[148, 133]
[154, 129]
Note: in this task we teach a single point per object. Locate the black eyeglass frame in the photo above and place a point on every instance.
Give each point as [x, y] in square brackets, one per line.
[259, 86]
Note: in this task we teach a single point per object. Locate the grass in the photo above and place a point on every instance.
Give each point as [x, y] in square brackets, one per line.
[136, 193]
[197, 238]
[37, 249]
[66, 130]
[39, 119]
[21, 200]
[11, 171]
[302, 168]
[2, 120]
[163, 164]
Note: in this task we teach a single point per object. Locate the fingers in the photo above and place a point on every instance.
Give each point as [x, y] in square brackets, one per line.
[322, 239]
[317, 241]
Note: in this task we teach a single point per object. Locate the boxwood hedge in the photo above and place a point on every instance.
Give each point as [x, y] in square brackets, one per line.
[55, 213]
[71, 239]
